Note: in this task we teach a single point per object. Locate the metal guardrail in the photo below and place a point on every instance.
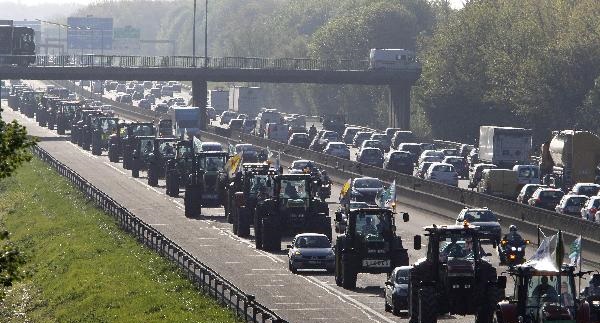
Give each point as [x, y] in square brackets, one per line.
[260, 63]
[203, 277]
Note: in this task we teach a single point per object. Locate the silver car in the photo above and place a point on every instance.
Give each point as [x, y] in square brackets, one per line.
[311, 251]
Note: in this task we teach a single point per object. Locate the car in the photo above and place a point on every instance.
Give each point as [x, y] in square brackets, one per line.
[299, 139]
[250, 153]
[144, 104]
[431, 153]
[571, 204]
[442, 173]
[311, 251]
[150, 98]
[399, 161]
[121, 88]
[465, 149]
[396, 290]
[360, 137]
[298, 166]
[161, 108]
[338, 149]
[126, 98]
[330, 136]
[590, 210]
[166, 90]
[349, 134]
[459, 163]
[587, 189]
[476, 172]
[413, 148]
[427, 146]
[486, 220]
[402, 137]
[546, 198]
[211, 146]
[370, 156]
[431, 159]
[383, 139]
[422, 169]
[248, 125]
[365, 189]
[371, 144]
[226, 116]
[236, 124]
[450, 152]
[526, 192]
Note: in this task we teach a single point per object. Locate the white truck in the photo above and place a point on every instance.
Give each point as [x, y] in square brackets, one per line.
[246, 100]
[218, 99]
[505, 147]
[396, 59]
[186, 121]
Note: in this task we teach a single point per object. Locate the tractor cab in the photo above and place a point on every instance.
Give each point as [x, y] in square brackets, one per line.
[542, 295]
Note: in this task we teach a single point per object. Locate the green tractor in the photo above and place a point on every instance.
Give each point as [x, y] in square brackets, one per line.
[102, 128]
[455, 277]
[248, 187]
[176, 169]
[150, 154]
[203, 186]
[122, 143]
[369, 244]
[65, 115]
[292, 208]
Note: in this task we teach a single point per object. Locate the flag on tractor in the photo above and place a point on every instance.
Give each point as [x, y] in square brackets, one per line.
[575, 252]
[233, 164]
[197, 143]
[345, 192]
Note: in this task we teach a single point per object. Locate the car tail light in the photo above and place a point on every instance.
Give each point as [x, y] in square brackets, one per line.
[538, 201]
[593, 210]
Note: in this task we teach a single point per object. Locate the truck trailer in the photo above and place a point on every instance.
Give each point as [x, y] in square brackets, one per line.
[186, 120]
[246, 100]
[505, 147]
[218, 99]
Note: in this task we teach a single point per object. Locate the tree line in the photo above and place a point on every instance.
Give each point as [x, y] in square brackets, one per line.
[527, 63]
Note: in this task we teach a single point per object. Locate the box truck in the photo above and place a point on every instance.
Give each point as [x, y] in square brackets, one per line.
[505, 147]
[247, 100]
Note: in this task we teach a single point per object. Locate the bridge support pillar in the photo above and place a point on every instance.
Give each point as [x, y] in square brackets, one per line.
[200, 99]
[400, 106]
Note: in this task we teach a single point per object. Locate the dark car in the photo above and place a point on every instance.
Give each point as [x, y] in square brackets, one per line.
[460, 165]
[546, 198]
[370, 156]
[236, 124]
[396, 290]
[399, 161]
[526, 192]
[413, 148]
[365, 189]
[486, 220]
[360, 137]
[385, 141]
[349, 134]
[299, 139]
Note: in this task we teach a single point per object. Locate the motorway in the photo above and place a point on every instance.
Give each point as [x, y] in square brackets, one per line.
[308, 297]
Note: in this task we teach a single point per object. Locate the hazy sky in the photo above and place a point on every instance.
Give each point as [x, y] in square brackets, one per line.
[455, 3]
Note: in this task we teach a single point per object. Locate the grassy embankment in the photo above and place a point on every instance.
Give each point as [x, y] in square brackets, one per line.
[82, 267]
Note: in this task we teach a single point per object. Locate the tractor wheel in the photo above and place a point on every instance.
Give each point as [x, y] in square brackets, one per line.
[153, 175]
[485, 313]
[126, 158]
[258, 243]
[191, 201]
[271, 234]
[427, 305]
[96, 147]
[73, 135]
[85, 143]
[60, 128]
[338, 261]
[112, 154]
[233, 217]
[50, 125]
[172, 183]
[243, 222]
[135, 171]
[349, 274]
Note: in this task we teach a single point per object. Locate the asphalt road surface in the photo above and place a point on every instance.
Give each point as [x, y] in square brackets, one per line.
[307, 297]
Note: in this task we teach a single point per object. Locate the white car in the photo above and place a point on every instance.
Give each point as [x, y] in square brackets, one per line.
[571, 204]
[587, 189]
[442, 173]
[430, 153]
[338, 149]
[590, 210]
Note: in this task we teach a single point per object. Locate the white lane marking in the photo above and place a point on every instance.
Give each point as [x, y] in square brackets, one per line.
[266, 269]
[153, 224]
[181, 206]
[85, 152]
[115, 168]
[232, 262]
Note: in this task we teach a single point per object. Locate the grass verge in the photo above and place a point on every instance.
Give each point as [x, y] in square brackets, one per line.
[82, 267]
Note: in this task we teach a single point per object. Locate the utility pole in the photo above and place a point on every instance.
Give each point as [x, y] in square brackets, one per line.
[194, 37]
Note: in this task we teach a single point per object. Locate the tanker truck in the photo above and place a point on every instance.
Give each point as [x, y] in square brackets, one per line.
[570, 157]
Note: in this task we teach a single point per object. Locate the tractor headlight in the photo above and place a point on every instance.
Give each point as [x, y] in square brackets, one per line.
[519, 249]
[513, 248]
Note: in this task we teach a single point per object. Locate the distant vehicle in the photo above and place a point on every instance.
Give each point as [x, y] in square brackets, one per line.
[144, 104]
[186, 120]
[371, 144]
[370, 156]
[161, 108]
[431, 153]
[299, 140]
[460, 165]
[365, 189]
[590, 210]
[247, 100]
[571, 204]
[298, 166]
[360, 137]
[401, 137]
[505, 146]
[413, 148]
[338, 149]
[211, 146]
[499, 182]
[587, 189]
[349, 134]
[156, 91]
[248, 125]
[126, 98]
[422, 169]
[393, 59]
[236, 124]
[476, 172]
[546, 198]
[526, 192]
[219, 99]
[277, 132]
[166, 90]
[226, 116]
[399, 161]
[442, 173]
[121, 88]
[527, 174]
[311, 251]
[486, 220]
[334, 122]
[381, 137]
[268, 116]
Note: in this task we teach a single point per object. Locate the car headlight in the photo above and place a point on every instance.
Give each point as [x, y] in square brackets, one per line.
[513, 248]
[297, 253]
[519, 249]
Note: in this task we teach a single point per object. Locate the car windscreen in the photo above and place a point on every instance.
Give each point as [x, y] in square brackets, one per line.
[576, 201]
[551, 194]
[167, 148]
[480, 216]
[371, 153]
[293, 189]
[312, 242]
[443, 168]
[142, 130]
[588, 190]
[402, 277]
[529, 172]
[213, 163]
[368, 183]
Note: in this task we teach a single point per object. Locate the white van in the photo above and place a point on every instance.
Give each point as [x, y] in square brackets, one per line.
[527, 174]
[380, 58]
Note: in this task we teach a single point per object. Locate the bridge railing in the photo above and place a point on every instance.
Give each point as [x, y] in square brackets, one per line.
[293, 64]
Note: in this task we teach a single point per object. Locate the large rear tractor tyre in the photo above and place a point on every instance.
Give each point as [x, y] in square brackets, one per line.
[153, 175]
[485, 313]
[96, 145]
[349, 274]
[243, 222]
[192, 201]
[172, 184]
[258, 242]
[60, 128]
[135, 171]
[271, 234]
[427, 305]
[112, 154]
[339, 278]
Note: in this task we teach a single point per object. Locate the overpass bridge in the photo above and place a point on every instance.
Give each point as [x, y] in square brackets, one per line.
[200, 70]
